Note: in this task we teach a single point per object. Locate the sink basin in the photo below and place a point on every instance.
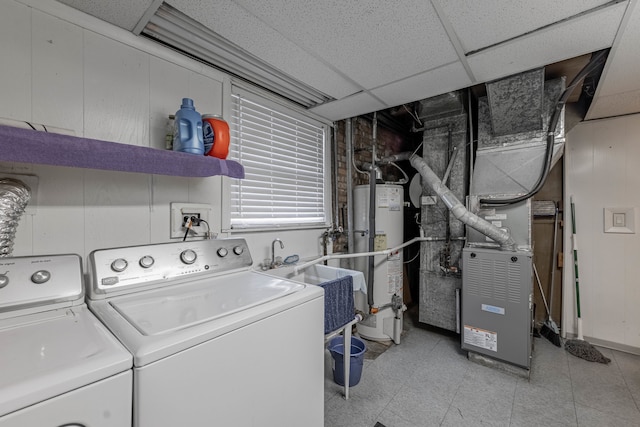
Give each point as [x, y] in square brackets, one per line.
[318, 273]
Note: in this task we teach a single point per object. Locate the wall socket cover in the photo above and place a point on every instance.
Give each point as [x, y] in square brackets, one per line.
[178, 210]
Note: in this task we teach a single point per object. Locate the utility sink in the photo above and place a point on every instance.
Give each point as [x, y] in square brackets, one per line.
[318, 273]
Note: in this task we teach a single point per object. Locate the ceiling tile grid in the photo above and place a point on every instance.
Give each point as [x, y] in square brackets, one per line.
[242, 28]
[396, 40]
[575, 37]
[352, 106]
[483, 23]
[623, 71]
[424, 85]
[372, 55]
[618, 92]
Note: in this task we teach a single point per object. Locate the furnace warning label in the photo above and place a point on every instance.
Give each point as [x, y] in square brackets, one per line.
[481, 338]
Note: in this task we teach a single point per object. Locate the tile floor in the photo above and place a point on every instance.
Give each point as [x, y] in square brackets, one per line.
[428, 381]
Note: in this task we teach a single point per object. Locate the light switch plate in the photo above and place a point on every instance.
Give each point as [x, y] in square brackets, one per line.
[620, 220]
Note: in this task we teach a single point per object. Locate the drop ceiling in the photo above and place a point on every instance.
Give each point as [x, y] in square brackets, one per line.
[367, 55]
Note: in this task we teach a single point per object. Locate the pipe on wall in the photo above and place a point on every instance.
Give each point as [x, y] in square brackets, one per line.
[348, 135]
[334, 178]
[372, 213]
[459, 211]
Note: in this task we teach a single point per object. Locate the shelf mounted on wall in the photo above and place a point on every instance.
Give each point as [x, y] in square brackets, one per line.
[46, 148]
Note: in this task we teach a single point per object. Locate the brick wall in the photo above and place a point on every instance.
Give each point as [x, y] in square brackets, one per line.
[388, 143]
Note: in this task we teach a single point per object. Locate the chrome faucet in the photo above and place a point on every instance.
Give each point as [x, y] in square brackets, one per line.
[273, 251]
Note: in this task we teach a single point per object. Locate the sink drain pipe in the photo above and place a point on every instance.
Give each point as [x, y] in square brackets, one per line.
[14, 196]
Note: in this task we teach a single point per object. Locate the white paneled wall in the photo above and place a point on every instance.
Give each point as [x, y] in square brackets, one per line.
[68, 70]
[603, 160]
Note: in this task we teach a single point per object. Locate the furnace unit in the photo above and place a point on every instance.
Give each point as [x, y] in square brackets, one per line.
[497, 304]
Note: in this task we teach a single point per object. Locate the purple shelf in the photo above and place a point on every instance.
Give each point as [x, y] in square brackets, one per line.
[30, 146]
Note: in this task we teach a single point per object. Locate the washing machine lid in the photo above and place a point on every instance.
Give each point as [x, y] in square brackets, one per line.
[158, 323]
[167, 310]
[50, 353]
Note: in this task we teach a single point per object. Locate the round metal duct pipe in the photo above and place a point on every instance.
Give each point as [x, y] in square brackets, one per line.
[14, 197]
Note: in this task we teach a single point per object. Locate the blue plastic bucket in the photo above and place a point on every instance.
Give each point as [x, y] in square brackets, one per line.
[336, 348]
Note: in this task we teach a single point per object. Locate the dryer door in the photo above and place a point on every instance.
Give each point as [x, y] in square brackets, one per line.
[106, 403]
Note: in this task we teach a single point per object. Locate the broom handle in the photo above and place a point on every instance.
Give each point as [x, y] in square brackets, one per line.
[575, 265]
[553, 262]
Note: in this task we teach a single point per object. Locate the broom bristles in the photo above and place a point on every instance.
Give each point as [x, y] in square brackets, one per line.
[553, 336]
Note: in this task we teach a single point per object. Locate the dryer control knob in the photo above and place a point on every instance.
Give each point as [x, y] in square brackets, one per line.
[238, 250]
[146, 261]
[4, 280]
[40, 276]
[119, 265]
[222, 252]
[188, 256]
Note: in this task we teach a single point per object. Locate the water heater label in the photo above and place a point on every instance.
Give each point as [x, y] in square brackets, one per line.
[394, 272]
[380, 242]
[390, 198]
[481, 338]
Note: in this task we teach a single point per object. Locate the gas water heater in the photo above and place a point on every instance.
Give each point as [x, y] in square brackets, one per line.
[383, 319]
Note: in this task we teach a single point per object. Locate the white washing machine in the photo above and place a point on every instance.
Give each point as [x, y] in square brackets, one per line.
[214, 342]
[59, 366]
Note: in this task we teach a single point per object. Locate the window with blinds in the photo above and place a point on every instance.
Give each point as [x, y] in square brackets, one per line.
[283, 157]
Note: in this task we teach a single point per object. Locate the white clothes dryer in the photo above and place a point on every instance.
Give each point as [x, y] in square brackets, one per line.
[214, 342]
[59, 366]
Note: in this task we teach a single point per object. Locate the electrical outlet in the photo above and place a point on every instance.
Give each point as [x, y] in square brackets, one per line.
[195, 217]
[180, 214]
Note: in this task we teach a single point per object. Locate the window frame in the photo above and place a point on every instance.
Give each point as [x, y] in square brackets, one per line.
[273, 102]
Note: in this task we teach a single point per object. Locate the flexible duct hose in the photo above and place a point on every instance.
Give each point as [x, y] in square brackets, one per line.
[458, 210]
[14, 196]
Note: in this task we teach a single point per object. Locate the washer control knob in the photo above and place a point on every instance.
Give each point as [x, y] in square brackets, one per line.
[40, 276]
[188, 256]
[146, 261]
[222, 252]
[238, 250]
[119, 265]
[4, 280]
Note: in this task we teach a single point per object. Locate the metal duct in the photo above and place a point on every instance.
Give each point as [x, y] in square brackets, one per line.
[516, 103]
[458, 210]
[510, 163]
[14, 196]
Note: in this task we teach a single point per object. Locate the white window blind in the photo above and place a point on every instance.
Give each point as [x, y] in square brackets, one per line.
[283, 158]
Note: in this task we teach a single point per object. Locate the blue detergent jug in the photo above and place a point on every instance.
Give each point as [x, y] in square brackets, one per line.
[187, 136]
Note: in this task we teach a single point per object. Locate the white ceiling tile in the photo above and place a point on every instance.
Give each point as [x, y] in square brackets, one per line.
[370, 42]
[618, 91]
[356, 105]
[621, 74]
[122, 13]
[425, 85]
[573, 38]
[483, 23]
[234, 23]
[615, 105]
